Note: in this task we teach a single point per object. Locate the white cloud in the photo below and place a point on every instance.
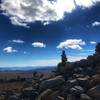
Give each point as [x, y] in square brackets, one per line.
[9, 50]
[92, 42]
[22, 12]
[38, 44]
[85, 3]
[96, 23]
[17, 41]
[72, 44]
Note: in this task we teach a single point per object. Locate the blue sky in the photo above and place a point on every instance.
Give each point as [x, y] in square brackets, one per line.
[34, 32]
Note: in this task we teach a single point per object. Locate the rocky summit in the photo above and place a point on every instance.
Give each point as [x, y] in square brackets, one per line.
[73, 81]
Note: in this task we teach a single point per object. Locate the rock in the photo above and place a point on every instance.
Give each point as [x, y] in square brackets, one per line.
[89, 70]
[98, 69]
[76, 90]
[95, 80]
[54, 95]
[70, 97]
[29, 93]
[66, 87]
[78, 70]
[64, 68]
[84, 97]
[78, 75]
[51, 83]
[84, 81]
[46, 95]
[60, 98]
[94, 92]
[72, 82]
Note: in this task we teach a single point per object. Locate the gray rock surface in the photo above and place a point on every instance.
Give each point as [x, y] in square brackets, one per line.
[51, 83]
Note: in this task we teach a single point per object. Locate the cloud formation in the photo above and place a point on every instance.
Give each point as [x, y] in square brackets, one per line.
[96, 23]
[22, 12]
[72, 44]
[9, 50]
[93, 42]
[38, 45]
[18, 41]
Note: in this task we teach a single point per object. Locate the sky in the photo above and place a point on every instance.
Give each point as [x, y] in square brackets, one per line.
[34, 32]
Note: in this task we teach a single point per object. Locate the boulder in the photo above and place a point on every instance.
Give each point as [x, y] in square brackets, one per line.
[78, 70]
[55, 82]
[54, 95]
[29, 93]
[84, 81]
[95, 80]
[70, 97]
[84, 97]
[66, 87]
[46, 95]
[94, 92]
[90, 71]
[72, 82]
[76, 90]
[98, 69]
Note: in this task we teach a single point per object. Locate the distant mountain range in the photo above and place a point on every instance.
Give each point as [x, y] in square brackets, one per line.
[28, 68]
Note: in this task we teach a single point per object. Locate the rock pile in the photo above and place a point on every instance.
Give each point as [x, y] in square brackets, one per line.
[74, 81]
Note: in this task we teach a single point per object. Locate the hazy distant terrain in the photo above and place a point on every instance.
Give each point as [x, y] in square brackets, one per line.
[14, 79]
[27, 68]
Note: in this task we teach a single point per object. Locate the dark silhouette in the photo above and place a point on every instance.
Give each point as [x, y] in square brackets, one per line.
[63, 57]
